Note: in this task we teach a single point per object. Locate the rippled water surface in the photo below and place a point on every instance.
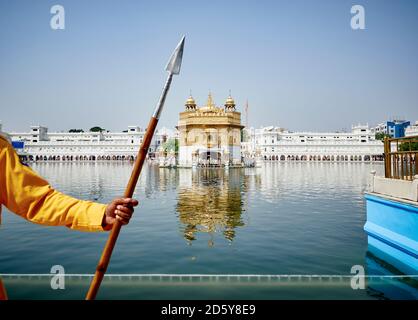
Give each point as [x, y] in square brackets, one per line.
[282, 218]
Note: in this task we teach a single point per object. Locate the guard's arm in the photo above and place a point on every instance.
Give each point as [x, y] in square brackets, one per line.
[25, 193]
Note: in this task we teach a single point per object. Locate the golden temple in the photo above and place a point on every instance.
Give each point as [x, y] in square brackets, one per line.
[210, 135]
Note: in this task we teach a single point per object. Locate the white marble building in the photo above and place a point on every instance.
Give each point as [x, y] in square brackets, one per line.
[266, 143]
[278, 144]
[39, 144]
[412, 130]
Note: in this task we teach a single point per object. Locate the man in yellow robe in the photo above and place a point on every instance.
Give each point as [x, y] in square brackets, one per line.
[25, 193]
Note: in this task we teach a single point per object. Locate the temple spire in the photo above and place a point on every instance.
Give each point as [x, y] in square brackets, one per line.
[210, 102]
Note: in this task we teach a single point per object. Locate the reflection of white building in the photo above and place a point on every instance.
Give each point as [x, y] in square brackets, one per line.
[412, 130]
[43, 145]
[273, 143]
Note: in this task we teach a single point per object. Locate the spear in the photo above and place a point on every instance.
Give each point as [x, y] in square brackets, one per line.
[173, 67]
[3, 293]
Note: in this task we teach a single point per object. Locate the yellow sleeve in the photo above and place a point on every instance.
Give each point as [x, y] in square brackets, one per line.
[25, 193]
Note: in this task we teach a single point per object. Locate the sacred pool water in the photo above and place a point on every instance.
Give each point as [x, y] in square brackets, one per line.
[285, 230]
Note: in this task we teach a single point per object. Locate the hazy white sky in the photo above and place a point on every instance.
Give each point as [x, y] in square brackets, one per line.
[299, 63]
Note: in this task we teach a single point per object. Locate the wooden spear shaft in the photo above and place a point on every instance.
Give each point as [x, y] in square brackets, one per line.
[173, 67]
[3, 293]
[114, 233]
[129, 191]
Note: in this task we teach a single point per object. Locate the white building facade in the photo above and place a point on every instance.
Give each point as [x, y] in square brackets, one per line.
[266, 143]
[39, 144]
[412, 130]
[278, 144]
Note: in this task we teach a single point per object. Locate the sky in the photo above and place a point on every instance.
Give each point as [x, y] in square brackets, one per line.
[299, 63]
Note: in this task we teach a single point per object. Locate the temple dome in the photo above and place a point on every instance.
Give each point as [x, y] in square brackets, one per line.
[230, 102]
[190, 103]
[210, 105]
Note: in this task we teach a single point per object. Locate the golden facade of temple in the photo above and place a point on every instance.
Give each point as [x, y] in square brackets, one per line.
[210, 135]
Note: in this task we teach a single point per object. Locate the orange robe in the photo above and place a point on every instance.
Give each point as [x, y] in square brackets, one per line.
[25, 193]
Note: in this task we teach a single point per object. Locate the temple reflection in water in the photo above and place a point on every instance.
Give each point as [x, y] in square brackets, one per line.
[210, 201]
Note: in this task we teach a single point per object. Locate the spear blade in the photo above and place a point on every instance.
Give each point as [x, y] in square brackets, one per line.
[174, 63]
[173, 67]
